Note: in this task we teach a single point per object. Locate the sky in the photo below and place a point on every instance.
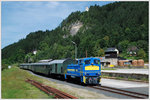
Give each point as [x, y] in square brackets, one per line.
[19, 18]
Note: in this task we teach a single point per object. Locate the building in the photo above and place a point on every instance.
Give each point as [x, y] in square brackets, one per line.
[104, 62]
[132, 50]
[111, 57]
[111, 53]
[34, 52]
[87, 8]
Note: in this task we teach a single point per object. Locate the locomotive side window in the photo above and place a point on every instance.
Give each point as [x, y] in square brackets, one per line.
[87, 62]
[96, 61]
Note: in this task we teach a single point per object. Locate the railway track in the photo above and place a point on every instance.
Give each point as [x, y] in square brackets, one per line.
[51, 91]
[121, 92]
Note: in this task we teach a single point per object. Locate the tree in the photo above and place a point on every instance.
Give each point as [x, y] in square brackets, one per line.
[101, 53]
[141, 54]
[120, 24]
[20, 56]
[43, 45]
[106, 40]
[123, 45]
[142, 44]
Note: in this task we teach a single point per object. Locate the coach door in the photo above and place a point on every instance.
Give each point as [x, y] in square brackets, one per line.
[80, 69]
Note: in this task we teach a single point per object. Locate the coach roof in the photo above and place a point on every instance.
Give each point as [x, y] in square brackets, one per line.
[47, 63]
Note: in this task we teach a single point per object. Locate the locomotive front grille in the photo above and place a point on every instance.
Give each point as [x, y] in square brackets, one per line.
[92, 80]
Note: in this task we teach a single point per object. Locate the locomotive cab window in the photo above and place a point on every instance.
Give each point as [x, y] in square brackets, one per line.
[87, 62]
[80, 62]
[96, 62]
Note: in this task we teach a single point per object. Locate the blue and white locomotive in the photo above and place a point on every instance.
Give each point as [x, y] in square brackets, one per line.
[88, 70]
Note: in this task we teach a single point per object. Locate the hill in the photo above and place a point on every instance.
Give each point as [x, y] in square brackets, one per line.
[123, 25]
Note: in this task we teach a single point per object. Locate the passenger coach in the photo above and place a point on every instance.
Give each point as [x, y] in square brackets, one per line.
[57, 67]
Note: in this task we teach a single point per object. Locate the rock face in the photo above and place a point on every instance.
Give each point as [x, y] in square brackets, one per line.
[75, 27]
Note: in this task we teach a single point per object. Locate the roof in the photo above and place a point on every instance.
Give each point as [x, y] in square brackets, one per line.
[86, 58]
[57, 61]
[46, 63]
[45, 60]
[112, 50]
[132, 48]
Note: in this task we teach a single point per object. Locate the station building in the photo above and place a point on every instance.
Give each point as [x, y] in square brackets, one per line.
[112, 59]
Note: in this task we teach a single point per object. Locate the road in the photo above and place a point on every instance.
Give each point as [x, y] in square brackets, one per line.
[126, 85]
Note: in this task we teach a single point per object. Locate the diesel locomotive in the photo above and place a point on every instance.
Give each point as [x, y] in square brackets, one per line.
[86, 70]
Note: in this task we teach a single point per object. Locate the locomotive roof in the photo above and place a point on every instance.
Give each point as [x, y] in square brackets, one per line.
[87, 58]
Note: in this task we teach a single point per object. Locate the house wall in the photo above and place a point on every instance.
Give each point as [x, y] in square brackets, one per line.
[113, 61]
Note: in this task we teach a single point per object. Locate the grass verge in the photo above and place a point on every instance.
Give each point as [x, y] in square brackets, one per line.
[15, 87]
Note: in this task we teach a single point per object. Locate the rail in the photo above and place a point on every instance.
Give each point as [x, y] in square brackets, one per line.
[51, 91]
[122, 92]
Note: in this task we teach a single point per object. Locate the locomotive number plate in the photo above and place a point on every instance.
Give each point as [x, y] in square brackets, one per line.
[91, 67]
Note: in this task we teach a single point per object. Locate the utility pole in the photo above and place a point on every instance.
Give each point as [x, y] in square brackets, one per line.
[86, 53]
[75, 49]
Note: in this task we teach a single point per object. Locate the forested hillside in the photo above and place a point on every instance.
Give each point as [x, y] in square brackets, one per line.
[123, 25]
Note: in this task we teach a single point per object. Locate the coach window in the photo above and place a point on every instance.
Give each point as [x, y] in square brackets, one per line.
[87, 62]
[51, 67]
[61, 69]
[48, 66]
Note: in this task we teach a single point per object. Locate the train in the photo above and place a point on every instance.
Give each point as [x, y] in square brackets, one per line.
[86, 70]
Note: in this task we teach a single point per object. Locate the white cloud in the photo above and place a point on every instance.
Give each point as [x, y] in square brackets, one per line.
[53, 4]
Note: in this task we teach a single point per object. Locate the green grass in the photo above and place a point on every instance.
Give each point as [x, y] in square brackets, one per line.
[15, 87]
